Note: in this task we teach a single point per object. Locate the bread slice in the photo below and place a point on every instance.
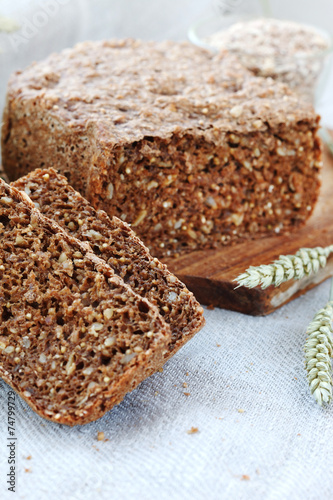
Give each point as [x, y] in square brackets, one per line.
[74, 338]
[115, 242]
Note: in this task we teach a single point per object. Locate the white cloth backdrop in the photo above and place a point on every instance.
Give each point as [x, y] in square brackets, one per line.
[260, 433]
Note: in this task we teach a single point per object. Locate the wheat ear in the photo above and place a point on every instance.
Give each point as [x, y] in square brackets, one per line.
[318, 352]
[306, 261]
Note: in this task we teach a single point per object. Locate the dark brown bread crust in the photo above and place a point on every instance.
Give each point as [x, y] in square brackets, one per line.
[74, 338]
[188, 147]
[114, 241]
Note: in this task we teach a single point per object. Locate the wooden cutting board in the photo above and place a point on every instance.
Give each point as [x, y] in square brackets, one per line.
[209, 274]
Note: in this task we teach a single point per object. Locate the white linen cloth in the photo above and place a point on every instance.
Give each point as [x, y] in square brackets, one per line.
[260, 433]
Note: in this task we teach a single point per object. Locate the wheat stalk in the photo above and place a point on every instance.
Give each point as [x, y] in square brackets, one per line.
[318, 351]
[306, 261]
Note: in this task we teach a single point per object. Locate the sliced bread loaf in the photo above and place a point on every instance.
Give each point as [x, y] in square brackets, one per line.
[186, 145]
[115, 242]
[74, 338]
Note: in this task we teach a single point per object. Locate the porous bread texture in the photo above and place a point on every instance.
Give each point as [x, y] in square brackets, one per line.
[189, 147]
[114, 241]
[74, 338]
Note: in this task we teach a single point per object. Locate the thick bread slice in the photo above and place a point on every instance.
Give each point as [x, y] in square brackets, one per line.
[74, 338]
[115, 242]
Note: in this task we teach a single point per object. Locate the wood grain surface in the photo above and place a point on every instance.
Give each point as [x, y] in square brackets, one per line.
[210, 273]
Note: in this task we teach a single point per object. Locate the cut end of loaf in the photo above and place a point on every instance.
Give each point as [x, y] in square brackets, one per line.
[188, 193]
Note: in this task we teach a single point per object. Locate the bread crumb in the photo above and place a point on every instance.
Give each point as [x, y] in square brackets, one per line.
[27, 470]
[186, 374]
[184, 385]
[161, 370]
[28, 457]
[156, 393]
[100, 436]
[218, 345]
[240, 410]
[211, 307]
[245, 477]
[187, 394]
[193, 430]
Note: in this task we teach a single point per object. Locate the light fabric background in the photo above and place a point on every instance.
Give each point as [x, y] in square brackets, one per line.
[260, 433]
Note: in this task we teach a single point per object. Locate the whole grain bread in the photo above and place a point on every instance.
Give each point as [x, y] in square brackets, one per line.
[114, 241]
[189, 147]
[74, 338]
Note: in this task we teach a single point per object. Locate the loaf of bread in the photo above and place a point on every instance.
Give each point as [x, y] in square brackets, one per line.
[114, 241]
[188, 147]
[74, 338]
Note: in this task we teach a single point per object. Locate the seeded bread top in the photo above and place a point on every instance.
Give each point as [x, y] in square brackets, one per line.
[128, 89]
